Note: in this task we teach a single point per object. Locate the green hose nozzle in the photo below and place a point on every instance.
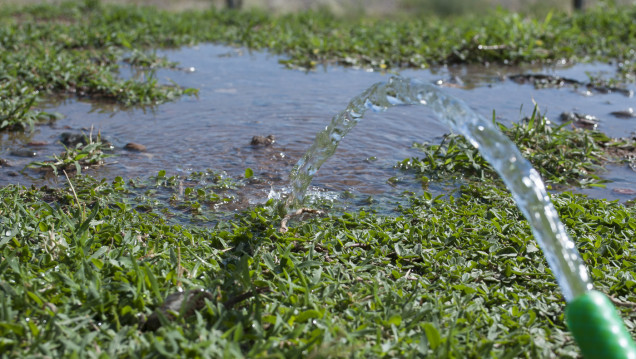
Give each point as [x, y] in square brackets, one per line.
[598, 329]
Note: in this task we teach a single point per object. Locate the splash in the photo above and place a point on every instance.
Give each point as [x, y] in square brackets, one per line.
[523, 181]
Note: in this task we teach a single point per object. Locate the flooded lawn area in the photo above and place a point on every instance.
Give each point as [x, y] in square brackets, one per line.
[243, 94]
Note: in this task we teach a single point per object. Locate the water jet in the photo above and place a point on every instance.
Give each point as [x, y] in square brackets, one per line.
[591, 317]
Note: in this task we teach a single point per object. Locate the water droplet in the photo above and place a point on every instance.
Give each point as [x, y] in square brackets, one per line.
[373, 106]
[527, 181]
[394, 101]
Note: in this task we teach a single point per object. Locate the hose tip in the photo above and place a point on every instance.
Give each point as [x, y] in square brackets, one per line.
[598, 329]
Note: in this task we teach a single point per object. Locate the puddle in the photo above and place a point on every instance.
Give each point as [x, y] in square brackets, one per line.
[244, 94]
[622, 187]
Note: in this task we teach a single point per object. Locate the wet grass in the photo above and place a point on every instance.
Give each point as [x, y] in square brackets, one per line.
[562, 155]
[195, 198]
[82, 271]
[75, 158]
[77, 48]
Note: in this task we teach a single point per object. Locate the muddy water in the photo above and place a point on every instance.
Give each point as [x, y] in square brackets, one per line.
[243, 94]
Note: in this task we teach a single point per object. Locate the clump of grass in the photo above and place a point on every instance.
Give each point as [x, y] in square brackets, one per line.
[450, 277]
[50, 49]
[563, 156]
[148, 60]
[82, 156]
[17, 108]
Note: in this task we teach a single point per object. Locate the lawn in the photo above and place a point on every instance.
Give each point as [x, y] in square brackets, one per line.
[94, 269]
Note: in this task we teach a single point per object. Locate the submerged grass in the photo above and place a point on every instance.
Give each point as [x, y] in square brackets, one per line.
[77, 48]
[81, 156]
[459, 277]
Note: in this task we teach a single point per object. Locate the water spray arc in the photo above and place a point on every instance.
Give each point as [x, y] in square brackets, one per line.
[591, 317]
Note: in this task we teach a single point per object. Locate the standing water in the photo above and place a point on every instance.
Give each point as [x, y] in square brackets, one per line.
[523, 181]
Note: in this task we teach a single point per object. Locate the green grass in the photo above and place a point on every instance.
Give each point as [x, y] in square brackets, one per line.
[81, 156]
[76, 48]
[83, 267]
[563, 155]
[460, 277]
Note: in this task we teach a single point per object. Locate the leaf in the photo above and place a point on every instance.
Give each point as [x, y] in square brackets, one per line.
[308, 314]
[249, 173]
[395, 320]
[124, 42]
[432, 335]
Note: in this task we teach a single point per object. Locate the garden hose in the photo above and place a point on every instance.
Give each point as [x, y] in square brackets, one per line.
[598, 329]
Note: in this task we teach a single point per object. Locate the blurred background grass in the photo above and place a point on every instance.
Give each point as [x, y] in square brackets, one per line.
[374, 8]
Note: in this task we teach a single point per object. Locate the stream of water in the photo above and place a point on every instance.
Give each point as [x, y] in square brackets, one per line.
[523, 181]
